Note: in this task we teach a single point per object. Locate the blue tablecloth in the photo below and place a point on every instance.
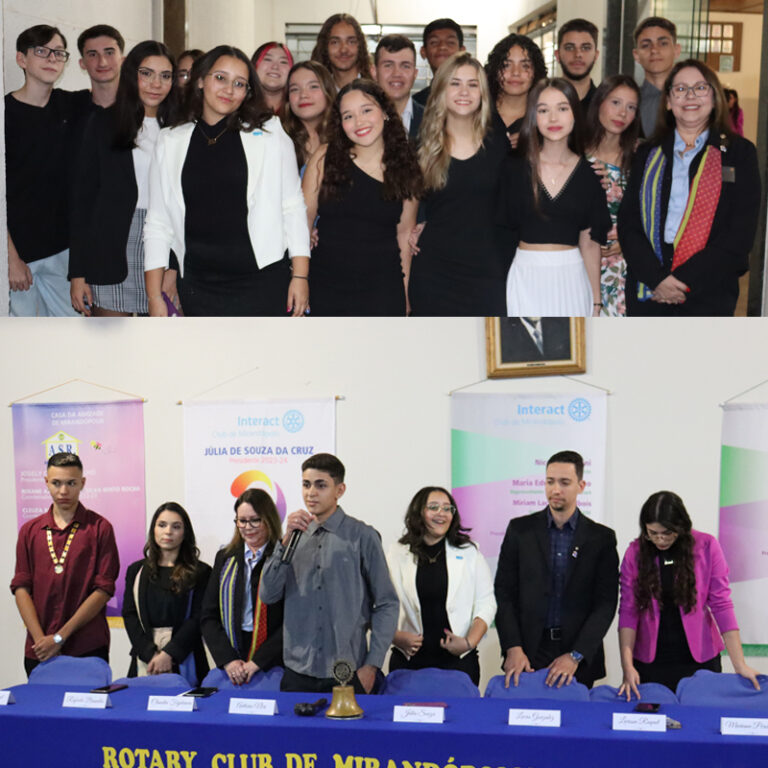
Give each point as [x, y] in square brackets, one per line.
[36, 731]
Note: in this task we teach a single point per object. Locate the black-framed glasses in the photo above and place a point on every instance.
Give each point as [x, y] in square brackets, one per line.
[447, 508]
[253, 522]
[44, 52]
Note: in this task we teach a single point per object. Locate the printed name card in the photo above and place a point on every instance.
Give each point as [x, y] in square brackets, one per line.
[538, 718]
[744, 726]
[6, 697]
[171, 704]
[86, 700]
[632, 721]
[426, 714]
[252, 707]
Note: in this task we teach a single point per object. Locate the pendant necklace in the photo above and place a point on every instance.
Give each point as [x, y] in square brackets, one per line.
[211, 141]
[58, 562]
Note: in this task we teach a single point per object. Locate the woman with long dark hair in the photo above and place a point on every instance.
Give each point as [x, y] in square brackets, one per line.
[612, 132]
[242, 634]
[433, 559]
[307, 113]
[111, 187]
[514, 66]
[461, 258]
[363, 185]
[688, 219]
[163, 598]
[557, 206]
[226, 199]
[675, 614]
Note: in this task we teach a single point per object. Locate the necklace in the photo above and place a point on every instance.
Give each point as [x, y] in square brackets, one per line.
[58, 562]
[211, 141]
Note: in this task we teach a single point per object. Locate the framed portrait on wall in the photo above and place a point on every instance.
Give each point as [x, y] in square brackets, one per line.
[534, 346]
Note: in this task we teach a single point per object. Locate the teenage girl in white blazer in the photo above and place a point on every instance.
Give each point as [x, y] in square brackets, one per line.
[444, 586]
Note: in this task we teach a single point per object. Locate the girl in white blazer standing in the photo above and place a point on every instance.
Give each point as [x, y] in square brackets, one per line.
[225, 197]
[444, 586]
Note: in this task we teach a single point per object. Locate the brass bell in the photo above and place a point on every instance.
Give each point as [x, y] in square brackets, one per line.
[344, 706]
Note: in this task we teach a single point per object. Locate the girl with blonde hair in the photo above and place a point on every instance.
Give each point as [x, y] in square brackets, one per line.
[458, 267]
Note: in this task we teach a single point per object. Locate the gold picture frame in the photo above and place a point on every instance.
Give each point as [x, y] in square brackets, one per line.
[511, 350]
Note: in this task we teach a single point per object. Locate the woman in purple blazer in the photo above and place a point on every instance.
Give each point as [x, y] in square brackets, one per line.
[675, 614]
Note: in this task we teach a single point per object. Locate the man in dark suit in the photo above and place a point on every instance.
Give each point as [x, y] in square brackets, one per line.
[442, 38]
[532, 339]
[557, 584]
[395, 71]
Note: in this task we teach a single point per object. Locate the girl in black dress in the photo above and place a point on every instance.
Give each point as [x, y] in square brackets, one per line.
[225, 198]
[363, 185]
[514, 66]
[163, 597]
[461, 258]
[111, 187]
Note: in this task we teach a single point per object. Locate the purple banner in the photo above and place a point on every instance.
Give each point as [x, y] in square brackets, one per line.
[109, 438]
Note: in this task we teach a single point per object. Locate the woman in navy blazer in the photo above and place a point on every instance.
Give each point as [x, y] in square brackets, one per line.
[111, 190]
[676, 613]
[444, 587]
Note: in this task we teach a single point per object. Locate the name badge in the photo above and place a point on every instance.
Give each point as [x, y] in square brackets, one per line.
[171, 704]
[6, 697]
[418, 714]
[729, 173]
[744, 726]
[629, 721]
[86, 700]
[252, 707]
[538, 718]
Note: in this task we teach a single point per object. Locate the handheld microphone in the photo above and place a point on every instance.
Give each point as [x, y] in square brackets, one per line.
[293, 542]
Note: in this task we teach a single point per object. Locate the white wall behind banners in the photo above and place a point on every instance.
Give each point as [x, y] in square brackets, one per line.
[393, 427]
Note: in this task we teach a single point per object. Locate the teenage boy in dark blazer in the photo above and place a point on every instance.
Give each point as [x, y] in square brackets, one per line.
[557, 584]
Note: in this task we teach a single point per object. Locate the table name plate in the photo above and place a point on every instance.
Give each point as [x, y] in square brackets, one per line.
[744, 726]
[6, 697]
[537, 718]
[86, 700]
[629, 721]
[418, 714]
[252, 707]
[171, 704]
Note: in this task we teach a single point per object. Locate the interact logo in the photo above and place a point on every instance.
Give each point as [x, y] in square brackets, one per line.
[293, 421]
[579, 409]
[255, 478]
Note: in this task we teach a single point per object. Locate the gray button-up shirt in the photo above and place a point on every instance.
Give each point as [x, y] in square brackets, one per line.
[650, 96]
[336, 588]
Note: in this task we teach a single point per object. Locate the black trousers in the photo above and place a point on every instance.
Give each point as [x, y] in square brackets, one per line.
[294, 681]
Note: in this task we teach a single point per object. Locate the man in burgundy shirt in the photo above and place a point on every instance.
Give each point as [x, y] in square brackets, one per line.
[66, 567]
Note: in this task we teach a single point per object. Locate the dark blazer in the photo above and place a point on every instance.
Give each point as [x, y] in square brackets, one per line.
[517, 346]
[421, 97]
[186, 636]
[713, 273]
[524, 580]
[418, 116]
[270, 653]
[102, 203]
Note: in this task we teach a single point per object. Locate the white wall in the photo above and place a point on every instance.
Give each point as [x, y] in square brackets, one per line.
[395, 376]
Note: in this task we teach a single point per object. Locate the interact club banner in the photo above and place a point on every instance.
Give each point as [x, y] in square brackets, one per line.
[109, 439]
[229, 447]
[744, 516]
[499, 449]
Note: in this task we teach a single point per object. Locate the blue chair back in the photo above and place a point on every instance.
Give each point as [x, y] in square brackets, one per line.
[716, 689]
[166, 680]
[261, 681]
[531, 686]
[655, 692]
[72, 670]
[430, 683]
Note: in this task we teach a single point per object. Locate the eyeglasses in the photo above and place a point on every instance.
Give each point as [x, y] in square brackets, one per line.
[435, 507]
[44, 52]
[253, 522]
[182, 75]
[148, 75]
[237, 84]
[660, 535]
[699, 90]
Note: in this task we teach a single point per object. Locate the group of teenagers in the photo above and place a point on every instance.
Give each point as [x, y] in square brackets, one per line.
[319, 589]
[205, 186]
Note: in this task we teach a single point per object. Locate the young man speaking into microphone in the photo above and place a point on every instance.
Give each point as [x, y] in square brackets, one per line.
[331, 570]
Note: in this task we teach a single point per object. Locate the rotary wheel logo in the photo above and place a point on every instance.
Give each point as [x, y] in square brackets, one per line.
[293, 421]
[579, 409]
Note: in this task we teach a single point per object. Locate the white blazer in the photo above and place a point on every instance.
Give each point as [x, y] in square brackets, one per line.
[277, 215]
[470, 589]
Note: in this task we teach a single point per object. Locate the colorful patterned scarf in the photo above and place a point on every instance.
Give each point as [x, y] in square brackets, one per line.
[227, 581]
[696, 224]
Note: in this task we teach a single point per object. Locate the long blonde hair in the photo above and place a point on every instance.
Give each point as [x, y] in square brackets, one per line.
[434, 142]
